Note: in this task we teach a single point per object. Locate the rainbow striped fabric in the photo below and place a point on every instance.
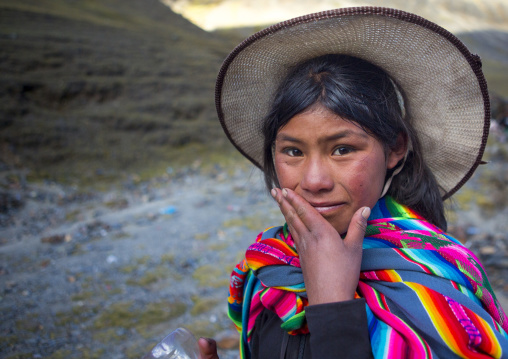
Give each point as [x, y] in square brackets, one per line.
[427, 296]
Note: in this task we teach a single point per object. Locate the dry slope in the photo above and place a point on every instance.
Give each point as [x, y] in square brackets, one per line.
[90, 89]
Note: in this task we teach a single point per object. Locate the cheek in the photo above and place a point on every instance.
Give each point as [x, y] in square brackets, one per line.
[366, 179]
[285, 175]
[358, 177]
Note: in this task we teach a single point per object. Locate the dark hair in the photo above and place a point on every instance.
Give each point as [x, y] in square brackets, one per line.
[363, 93]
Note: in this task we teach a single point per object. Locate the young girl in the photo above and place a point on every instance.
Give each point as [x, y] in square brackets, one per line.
[363, 121]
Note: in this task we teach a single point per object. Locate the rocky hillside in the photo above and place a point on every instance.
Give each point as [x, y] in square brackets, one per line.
[93, 89]
[482, 25]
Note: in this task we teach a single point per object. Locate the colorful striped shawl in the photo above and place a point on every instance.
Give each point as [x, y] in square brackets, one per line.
[426, 295]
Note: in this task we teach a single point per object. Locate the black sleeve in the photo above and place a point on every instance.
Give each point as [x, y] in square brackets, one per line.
[339, 330]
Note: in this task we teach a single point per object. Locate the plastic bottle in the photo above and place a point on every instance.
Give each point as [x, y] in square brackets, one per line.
[179, 344]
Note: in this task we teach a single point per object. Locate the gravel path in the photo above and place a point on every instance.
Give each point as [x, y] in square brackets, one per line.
[108, 275]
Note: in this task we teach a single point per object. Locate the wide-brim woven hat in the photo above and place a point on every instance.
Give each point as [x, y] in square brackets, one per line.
[445, 92]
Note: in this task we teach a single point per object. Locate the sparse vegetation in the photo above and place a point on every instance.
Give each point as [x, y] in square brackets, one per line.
[210, 276]
[150, 277]
[488, 189]
[203, 328]
[202, 305]
[92, 92]
[256, 222]
[126, 315]
[82, 296]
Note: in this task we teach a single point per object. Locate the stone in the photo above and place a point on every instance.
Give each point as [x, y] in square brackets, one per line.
[55, 239]
[228, 340]
[488, 250]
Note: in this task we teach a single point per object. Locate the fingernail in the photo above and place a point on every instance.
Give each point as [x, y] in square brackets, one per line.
[366, 212]
[273, 192]
[209, 340]
[285, 192]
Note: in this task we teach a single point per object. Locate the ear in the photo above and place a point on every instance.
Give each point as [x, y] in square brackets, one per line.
[398, 152]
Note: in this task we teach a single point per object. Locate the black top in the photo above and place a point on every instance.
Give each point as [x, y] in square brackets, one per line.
[337, 330]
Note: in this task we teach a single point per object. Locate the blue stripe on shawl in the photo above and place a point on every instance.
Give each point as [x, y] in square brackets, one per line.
[369, 242]
[438, 265]
[375, 258]
[378, 333]
[252, 287]
[380, 210]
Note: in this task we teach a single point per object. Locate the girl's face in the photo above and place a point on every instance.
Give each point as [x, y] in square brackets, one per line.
[332, 163]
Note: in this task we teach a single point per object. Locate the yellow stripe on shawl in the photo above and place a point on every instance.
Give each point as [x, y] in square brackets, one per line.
[439, 322]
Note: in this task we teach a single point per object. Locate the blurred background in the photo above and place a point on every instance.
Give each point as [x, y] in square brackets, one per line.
[119, 193]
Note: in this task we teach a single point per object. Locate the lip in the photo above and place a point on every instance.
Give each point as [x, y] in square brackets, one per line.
[325, 208]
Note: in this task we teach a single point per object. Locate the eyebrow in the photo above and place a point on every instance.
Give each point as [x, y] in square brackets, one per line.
[332, 137]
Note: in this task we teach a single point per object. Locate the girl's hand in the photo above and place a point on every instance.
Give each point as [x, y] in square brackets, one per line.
[330, 264]
[207, 348]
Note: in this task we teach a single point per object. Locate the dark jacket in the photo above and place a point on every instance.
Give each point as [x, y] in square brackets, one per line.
[337, 330]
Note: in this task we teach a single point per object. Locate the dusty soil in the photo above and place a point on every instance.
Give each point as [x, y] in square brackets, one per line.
[109, 274]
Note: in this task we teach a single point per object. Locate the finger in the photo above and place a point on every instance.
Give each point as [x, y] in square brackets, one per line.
[357, 228]
[302, 214]
[277, 195]
[281, 201]
[207, 348]
[291, 214]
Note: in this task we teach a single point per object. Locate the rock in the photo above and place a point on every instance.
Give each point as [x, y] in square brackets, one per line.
[228, 340]
[116, 203]
[55, 239]
[111, 259]
[10, 201]
[10, 284]
[488, 250]
[94, 229]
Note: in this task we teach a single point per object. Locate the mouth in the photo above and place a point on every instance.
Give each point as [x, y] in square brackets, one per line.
[325, 208]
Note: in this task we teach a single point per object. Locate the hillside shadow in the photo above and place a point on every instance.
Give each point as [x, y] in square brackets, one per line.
[492, 47]
[92, 91]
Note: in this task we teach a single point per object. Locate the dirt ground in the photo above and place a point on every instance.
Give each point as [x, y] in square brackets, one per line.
[109, 274]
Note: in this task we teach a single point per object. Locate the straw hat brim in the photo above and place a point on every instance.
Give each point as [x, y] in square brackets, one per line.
[445, 92]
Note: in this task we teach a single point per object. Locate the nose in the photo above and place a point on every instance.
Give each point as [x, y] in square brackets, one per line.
[317, 176]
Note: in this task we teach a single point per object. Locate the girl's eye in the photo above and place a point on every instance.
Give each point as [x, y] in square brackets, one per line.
[293, 152]
[341, 151]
